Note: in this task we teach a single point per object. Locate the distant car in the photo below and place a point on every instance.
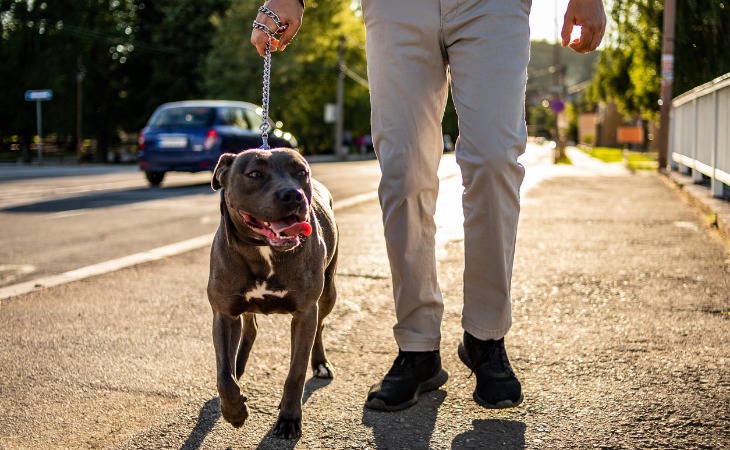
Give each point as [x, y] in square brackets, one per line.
[190, 136]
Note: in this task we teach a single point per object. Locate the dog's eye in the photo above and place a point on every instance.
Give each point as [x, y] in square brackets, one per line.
[302, 174]
[254, 174]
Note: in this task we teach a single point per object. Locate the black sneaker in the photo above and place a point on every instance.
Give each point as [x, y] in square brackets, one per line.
[412, 374]
[497, 385]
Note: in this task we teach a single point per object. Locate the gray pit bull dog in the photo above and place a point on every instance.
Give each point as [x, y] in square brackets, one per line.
[275, 251]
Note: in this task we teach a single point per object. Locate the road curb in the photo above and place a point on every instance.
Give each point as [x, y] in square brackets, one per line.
[716, 210]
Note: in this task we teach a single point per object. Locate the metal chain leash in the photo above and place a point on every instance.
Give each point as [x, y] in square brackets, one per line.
[280, 27]
[265, 98]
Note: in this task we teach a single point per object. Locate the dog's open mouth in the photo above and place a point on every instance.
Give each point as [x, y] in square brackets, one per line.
[282, 232]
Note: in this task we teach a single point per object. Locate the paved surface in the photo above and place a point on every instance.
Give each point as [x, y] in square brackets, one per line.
[621, 338]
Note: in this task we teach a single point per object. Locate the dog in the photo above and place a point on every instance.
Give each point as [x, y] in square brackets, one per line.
[275, 251]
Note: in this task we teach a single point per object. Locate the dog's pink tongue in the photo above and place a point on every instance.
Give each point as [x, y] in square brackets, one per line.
[291, 229]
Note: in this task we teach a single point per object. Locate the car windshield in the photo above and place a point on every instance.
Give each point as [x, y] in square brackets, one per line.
[185, 116]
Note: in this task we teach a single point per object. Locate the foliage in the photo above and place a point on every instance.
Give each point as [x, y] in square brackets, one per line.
[304, 77]
[629, 69]
[636, 160]
[133, 55]
[702, 43]
[540, 120]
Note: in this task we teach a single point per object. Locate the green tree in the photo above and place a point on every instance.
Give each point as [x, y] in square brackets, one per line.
[174, 40]
[702, 43]
[42, 43]
[135, 54]
[628, 70]
[303, 78]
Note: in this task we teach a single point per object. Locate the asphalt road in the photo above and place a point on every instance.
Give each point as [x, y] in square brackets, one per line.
[58, 218]
[620, 337]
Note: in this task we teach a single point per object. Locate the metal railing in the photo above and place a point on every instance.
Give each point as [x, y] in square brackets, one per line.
[700, 134]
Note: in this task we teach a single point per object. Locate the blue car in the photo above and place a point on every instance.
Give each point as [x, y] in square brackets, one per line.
[190, 136]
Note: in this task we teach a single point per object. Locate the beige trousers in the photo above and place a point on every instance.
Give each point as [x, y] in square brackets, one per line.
[415, 50]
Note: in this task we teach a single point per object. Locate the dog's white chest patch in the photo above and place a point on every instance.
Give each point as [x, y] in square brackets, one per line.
[268, 254]
[261, 290]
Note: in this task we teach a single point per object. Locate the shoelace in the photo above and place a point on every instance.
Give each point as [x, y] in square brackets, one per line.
[494, 354]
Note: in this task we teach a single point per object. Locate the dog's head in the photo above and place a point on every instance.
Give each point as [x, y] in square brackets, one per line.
[268, 194]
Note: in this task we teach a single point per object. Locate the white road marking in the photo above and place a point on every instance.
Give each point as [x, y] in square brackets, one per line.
[9, 272]
[106, 267]
[131, 260]
[355, 200]
[28, 193]
[64, 214]
[447, 170]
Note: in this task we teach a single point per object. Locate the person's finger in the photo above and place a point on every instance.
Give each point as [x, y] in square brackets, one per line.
[567, 30]
[288, 35]
[259, 40]
[584, 44]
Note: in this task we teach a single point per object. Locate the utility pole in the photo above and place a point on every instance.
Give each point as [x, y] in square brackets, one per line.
[665, 107]
[557, 103]
[339, 148]
[80, 74]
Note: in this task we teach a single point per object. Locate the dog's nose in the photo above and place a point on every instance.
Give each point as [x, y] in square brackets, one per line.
[291, 197]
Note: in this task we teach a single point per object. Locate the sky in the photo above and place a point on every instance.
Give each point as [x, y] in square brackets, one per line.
[542, 19]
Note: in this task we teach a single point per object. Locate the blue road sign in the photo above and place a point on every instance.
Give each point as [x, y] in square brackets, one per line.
[557, 105]
[38, 96]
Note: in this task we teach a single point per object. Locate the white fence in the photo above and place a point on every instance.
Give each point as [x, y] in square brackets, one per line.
[700, 134]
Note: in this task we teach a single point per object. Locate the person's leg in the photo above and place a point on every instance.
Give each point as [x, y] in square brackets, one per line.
[488, 50]
[487, 43]
[408, 91]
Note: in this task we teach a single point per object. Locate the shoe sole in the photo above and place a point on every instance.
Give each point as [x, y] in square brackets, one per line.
[431, 384]
[464, 357]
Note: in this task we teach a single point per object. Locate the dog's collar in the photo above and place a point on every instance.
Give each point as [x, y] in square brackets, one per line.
[228, 223]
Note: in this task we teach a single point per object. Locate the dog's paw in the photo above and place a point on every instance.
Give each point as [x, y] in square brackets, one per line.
[324, 370]
[235, 412]
[288, 428]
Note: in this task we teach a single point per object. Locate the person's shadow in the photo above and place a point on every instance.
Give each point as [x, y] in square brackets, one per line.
[411, 428]
[492, 434]
[414, 427]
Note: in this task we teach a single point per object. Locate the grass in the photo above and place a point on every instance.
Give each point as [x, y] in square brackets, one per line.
[637, 160]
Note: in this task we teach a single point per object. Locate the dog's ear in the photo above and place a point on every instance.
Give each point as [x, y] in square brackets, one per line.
[220, 174]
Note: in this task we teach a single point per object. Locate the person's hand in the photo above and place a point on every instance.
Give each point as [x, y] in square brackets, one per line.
[290, 13]
[590, 16]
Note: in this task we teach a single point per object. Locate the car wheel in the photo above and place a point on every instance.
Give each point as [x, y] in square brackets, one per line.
[155, 178]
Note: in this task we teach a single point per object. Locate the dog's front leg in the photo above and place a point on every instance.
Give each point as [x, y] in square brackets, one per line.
[226, 339]
[303, 329]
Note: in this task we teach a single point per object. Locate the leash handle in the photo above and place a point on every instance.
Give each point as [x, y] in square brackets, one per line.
[265, 98]
[280, 27]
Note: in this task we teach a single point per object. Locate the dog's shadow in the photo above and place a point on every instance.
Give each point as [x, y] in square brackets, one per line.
[270, 440]
[210, 413]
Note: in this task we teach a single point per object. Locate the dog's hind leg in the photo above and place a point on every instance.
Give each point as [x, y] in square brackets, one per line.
[321, 366]
[250, 328]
